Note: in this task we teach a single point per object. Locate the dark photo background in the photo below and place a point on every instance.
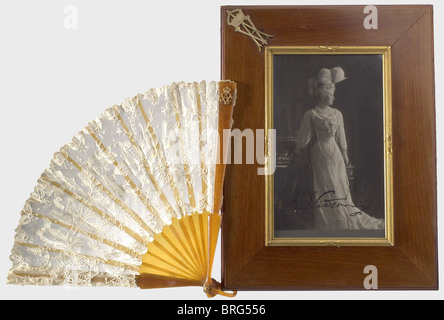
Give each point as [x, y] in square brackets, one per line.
[360, 99]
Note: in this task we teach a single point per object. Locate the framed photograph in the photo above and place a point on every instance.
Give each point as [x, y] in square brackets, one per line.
[331, 112]
[345, 97]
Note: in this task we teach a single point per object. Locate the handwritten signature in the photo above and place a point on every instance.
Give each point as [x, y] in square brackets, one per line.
[321, 202]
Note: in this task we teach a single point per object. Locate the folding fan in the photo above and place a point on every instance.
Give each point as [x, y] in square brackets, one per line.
[134, 199]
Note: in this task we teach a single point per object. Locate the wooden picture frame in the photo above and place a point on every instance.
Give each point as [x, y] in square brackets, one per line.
[248, 263]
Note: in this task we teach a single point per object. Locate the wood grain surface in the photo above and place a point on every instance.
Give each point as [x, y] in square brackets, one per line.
[412, 262]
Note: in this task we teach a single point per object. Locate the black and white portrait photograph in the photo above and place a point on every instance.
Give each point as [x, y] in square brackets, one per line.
[330, 178]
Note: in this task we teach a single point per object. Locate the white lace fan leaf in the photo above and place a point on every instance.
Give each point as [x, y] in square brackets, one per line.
[125, 181]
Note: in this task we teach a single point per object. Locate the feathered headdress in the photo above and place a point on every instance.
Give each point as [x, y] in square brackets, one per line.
[326, 78]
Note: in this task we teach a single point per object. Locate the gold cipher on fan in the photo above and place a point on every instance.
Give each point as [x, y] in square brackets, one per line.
[134, 199]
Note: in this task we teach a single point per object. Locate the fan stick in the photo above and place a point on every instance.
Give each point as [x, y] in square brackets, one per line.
[151, 281]
[203, 169]
[186, 166]
[93, 236]
[163, 258]
[214, 222]
[185, 245]
[198, 254]
[149, 268]
[118, 224]
[145, 164]
[142, 197]
[172, 255]
[162, 156]
[99, 185]
[203, 232]
[225, 118]
[101, 279]
[57, 251]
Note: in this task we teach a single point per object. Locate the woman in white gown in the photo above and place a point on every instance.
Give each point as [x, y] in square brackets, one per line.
[331, 201]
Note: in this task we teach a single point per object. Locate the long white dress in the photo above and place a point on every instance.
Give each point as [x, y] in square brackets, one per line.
[331, 200]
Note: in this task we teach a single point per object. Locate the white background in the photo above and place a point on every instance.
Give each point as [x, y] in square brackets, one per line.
[53, 81]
